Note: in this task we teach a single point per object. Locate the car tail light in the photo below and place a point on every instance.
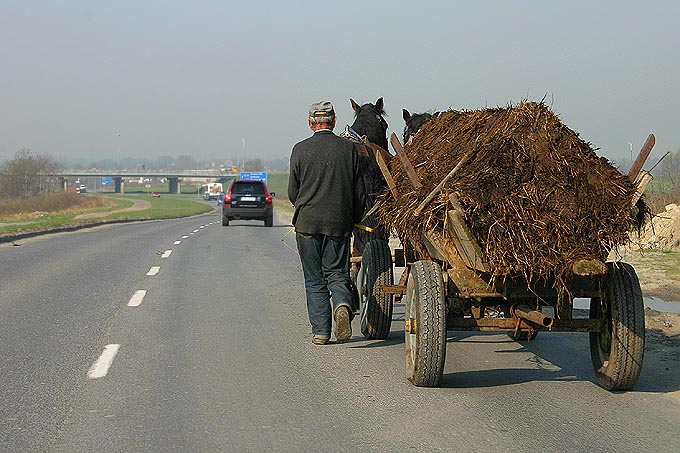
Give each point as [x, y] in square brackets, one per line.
[227, 198]
[267, 198]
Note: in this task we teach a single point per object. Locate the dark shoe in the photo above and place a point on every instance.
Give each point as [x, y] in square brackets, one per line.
[343, 324]
[320, 339]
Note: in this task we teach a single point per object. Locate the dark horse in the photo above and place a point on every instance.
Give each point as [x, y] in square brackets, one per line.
[414, 123]
[369, 122]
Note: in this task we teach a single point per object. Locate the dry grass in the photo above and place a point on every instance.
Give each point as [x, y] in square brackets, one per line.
[657, 201]
[50, 203]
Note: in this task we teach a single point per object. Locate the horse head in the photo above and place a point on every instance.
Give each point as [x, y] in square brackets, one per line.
[413, 123]
[369, 121]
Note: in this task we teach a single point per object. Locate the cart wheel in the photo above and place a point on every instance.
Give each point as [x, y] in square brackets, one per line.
[425, 332]
[376, 310]
[617, 351]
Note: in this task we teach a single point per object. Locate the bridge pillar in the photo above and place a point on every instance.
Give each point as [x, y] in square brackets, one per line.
[174, 185]
[63, 182]
[119, 185]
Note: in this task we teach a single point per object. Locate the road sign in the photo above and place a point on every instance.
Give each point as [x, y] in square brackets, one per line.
[254, 176]
[106, 181]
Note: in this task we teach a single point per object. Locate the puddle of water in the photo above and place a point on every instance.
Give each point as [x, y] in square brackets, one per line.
[650, 302]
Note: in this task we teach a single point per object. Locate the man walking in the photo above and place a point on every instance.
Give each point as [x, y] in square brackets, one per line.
[326, 190]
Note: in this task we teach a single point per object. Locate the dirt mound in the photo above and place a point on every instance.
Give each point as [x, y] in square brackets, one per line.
[662, 232]
[535, 196]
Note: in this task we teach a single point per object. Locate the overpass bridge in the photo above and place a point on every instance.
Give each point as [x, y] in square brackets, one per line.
[174, 177]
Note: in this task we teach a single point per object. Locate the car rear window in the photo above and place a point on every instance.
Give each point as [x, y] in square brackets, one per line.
[254, 188]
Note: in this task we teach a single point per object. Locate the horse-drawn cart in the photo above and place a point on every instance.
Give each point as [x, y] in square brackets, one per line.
[452, 287]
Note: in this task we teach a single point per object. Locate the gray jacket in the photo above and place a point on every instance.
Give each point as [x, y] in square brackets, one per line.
[325, 185]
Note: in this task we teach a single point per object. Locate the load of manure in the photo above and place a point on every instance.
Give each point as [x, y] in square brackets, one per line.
[535, 196]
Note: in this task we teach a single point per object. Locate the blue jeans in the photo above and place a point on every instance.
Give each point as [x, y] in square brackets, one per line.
[325, 265]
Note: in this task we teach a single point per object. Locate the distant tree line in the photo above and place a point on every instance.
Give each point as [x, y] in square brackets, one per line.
[24, 175]
[181, 162]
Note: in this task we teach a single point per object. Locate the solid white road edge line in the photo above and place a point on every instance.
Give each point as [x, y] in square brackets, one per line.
[103, 363]
[137, 298]
[154, 270]
[177, 243]
[166, 254]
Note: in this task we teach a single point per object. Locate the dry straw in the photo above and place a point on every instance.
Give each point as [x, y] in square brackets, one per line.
[535, 196]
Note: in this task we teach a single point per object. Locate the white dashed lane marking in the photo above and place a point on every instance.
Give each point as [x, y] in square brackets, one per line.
[195, 231]
[177, 243]
[166, 254]
[137, 298]
[154, 270]
[202, 226]
[103, 363]
[184, 237]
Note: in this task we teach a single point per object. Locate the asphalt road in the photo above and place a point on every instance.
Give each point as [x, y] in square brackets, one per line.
[216, 355]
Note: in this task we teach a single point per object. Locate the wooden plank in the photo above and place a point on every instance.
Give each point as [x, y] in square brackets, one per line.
[466, 244]
[433, 246]
[440, 186]
[642, 157]
[405, 162]
[641, 182]
[386, 174]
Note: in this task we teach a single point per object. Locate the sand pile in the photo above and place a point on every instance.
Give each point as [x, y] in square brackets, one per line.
[663, 232]
[535, 196]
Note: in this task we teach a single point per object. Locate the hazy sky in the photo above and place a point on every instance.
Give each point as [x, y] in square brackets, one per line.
[179, 77]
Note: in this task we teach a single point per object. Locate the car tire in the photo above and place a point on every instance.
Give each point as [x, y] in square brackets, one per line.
[269, 220]
[225, 221]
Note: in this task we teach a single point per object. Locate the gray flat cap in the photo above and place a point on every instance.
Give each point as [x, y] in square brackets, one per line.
[321, 109]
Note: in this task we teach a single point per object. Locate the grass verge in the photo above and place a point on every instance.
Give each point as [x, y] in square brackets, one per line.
[27, 221]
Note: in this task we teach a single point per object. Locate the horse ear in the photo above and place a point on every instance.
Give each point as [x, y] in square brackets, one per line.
[355, 106]
[379, 104]
[406, 115]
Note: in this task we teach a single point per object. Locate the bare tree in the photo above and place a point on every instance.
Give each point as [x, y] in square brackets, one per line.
[254, 165]
[670, 169]
[23, 175]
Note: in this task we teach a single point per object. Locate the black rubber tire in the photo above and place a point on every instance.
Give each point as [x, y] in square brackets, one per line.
[618, 350]
[426, 304]
[225, 221]
[376, 306]
[269, 220]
